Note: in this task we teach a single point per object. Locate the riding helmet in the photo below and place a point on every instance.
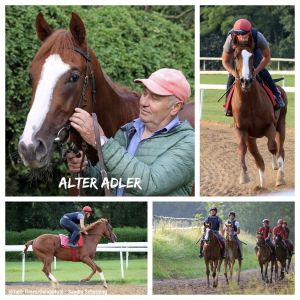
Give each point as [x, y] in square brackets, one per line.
[266, 221]
[87, 209]
[280, 222]
[231, 213]
[242, 24]
[284, 222]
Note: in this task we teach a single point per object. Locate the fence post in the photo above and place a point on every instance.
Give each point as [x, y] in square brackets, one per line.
[23, 267]
[122, 265]
[127, 255]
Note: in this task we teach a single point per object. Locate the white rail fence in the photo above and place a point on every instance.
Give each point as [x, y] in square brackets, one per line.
[124, 247]
[275, 59]
[174, 223]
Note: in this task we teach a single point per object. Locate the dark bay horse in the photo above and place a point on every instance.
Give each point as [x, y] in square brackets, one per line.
[47, 246]
[231, 253]
[254, 116]
[265, 256]
[212, 255]
[281, 254]
[66, 74]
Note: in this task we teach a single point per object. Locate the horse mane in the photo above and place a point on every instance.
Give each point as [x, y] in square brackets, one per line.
[94, 224]
[118, 88]
[60, 42]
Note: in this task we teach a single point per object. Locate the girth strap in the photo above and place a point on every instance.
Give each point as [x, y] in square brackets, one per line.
[100, 154]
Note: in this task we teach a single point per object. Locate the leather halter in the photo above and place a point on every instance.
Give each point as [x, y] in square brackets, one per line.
[89, 77]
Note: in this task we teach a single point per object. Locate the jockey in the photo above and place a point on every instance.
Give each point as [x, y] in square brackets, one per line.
[261, 57]
[236, 229]
[280, 230]
[70, 221]
[266, 232]
[288, 241]
[215, 224]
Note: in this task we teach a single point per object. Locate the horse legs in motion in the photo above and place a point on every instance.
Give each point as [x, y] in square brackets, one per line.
[46, 258]
[95, 268]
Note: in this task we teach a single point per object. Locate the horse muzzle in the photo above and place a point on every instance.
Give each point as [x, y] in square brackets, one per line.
[33, 154]
[114, 238]
[246, 83]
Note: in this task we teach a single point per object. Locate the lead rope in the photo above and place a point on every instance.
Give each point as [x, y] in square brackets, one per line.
[103, 173]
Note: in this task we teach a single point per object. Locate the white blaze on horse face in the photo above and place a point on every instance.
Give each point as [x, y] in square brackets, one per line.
[246, 70]
[207, 233]
[52, 70]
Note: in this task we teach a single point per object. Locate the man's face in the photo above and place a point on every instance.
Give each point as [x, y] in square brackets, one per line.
[283, 225]
[265, 224]
[244, 37]
[155, 109]
[231, 217]
[87, 214]
[213, 212]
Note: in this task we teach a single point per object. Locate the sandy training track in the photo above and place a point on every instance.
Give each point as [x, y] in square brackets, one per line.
[250, 284]
[74, 289]
[220, 166]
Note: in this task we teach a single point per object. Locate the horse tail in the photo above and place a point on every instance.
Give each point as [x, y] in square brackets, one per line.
[27, 244]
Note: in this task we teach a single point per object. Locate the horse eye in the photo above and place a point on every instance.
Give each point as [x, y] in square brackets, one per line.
[74, 76]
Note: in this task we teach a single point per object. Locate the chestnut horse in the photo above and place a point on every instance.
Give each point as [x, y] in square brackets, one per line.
[66, 74]
[231, 253]
[265, 256]
[281, 254]
[212, 255]
[254, 116]
[47, 246]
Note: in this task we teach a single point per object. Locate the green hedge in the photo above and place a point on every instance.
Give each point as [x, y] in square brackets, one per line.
[128, 42]
[124, 234]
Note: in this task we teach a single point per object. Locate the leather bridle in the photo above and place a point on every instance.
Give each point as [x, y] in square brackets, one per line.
[63, 135]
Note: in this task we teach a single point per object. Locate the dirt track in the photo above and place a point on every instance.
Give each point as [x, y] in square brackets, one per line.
[220, 167]
[250, 284]
[74, 289]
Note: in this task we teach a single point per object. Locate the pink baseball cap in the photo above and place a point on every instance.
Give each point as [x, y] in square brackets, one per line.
[167, 82]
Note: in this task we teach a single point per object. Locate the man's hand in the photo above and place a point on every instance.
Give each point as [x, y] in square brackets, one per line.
[82, 121]
[75, 162]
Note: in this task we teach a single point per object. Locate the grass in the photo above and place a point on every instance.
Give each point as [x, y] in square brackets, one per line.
[214, 111]
[69, 271]
[175, 254]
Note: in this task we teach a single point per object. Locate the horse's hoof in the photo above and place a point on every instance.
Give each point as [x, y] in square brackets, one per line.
[105, 285]
[244, 178]
[83, 280]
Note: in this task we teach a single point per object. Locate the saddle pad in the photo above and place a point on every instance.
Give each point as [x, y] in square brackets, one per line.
[64, 240]
[227, 104]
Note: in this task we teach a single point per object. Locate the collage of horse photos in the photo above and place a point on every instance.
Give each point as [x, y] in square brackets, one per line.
[186, 111]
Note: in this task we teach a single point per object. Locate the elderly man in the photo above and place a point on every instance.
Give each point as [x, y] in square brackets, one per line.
[261, 57]
[156, 148]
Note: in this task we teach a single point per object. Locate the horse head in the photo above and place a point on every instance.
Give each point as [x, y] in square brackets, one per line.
[278, 240]
[260, 241]
[103, 228]
[57, 74]
[243, 60]
[230, 233]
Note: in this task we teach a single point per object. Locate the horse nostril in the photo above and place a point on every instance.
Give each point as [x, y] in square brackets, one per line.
[242, 80]
[40, 149]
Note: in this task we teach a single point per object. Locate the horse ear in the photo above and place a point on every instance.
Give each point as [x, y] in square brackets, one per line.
[77, 29]
[235, 41]
[42, 28]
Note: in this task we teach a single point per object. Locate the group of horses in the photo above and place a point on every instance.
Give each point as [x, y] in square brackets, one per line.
[266, 257]
[213, 258]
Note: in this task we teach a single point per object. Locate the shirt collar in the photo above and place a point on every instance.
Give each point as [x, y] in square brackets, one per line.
[139, 125]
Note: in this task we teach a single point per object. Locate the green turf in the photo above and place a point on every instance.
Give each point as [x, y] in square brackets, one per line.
[175, 254]
[74, 271]
[289, 80]
[214, 111]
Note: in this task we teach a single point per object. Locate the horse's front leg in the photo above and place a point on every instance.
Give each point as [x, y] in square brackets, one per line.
[258, 160]
[207, 272]
[225, 271]
[242, 138]
[266, 272]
